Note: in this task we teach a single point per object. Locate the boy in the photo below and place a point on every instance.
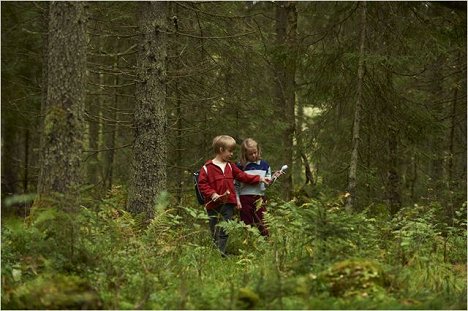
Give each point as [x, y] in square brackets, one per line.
[216, 183]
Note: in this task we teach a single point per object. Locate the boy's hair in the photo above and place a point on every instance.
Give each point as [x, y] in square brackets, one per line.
[223, 141]
[249, 143]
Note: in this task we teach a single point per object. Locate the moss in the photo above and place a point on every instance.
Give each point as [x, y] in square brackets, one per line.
[55, 117]
[248, 299]
[54, 292]
[353, 277]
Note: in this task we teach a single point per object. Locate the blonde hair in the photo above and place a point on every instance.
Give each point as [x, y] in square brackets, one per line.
[247, 144]
[225, 142]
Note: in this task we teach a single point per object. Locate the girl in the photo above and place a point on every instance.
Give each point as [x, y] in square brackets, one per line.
[252, 197]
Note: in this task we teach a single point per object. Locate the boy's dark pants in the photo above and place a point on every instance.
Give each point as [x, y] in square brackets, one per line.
[218, 214]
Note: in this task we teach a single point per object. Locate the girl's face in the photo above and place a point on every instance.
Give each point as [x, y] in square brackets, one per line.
[251, 155]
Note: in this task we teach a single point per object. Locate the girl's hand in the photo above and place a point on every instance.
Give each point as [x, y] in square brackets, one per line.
[238, 203]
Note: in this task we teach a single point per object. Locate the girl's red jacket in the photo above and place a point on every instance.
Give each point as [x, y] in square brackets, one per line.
[213, 180]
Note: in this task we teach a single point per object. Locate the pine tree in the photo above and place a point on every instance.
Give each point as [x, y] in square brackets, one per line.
[150, 120]
[60, 169]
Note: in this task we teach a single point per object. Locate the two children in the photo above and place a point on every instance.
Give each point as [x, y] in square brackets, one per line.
[216, 183]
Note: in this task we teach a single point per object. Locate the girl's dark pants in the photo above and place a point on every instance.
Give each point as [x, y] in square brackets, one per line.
[221, 213]
[251, 215]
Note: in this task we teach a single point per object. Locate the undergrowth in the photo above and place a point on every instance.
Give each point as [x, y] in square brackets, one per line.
[317, 257]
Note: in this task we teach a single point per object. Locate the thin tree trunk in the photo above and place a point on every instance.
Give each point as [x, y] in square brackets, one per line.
[94, 107]
[285, 71]
[26, 161]
[414, 175]
[352, 177]
[150, 121]
[63, 125]
[450, 178]
[309, 178]
[393, 178]
[109, 132]
[179, 116]
[44, 81]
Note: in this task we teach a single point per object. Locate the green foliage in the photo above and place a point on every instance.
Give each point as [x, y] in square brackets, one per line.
[312, 260]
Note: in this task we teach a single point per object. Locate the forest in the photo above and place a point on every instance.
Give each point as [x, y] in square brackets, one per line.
[108, 108]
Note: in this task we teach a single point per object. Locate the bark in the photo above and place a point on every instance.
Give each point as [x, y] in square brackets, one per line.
[64, 125]
[150, 120]
[352, 177]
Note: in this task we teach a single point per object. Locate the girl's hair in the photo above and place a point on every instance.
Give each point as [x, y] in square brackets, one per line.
[247, 144]
[223, 141]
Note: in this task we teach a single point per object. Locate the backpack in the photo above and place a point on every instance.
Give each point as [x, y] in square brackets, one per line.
[200, 198]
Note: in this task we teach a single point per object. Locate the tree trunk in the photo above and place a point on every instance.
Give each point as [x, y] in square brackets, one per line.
[109, 133]
[393, 178]
[63, 124]
[450, 178]
[9, 151]
[309, 178]
[94, 124]
[149, 150]
[285, 71]
[26, 161]
[352, 177]
[44, 80]
[176, 64]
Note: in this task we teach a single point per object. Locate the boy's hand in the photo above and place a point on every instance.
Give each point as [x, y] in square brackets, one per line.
[214, 197]
[265, 180]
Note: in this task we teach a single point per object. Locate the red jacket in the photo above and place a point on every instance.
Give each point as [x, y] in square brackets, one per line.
[214, 181]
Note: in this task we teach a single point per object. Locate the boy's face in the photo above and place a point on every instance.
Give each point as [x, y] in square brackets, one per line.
[252, 155]
[226, 154]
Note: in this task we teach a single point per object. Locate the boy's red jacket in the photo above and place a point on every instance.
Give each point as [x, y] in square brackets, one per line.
[214, 181]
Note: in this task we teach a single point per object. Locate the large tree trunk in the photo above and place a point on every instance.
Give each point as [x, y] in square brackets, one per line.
[149, 150]
[352, 177]
[64, 125]
[285, 71]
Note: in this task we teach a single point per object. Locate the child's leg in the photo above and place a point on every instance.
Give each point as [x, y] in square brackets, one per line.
[214, 217]
[260, 222]
[218, 214]
[258, 215]
[247, 213]
[227, 210]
